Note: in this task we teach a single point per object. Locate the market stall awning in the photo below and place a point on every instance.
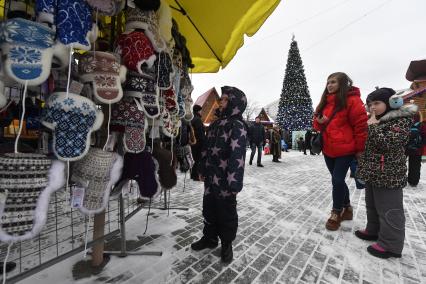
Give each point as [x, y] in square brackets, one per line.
[214, 29]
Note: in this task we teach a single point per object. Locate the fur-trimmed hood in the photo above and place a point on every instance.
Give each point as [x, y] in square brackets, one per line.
[404, 111]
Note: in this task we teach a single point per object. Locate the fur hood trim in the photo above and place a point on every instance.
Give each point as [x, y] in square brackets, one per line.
[404, 111]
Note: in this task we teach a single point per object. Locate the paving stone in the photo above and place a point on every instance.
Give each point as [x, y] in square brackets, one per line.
[290, 275]
[247, 277]
[273, 249]
[280, 261]
[268, 276]
[310, 274]
[225, 277]
[205, 277]
[204, 262]
[181, 265]
[290, 248]
[260, 262]
[121, 278]
[300, 259]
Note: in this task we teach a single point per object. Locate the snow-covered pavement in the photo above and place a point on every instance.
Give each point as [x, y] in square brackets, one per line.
[281, 236]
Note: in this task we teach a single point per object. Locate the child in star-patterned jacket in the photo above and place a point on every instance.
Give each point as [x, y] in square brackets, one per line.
[222, 169]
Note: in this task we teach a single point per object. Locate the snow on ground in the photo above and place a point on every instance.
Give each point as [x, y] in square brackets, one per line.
[281, 237]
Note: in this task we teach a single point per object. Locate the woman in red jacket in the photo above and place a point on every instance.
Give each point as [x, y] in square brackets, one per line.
[342, 118]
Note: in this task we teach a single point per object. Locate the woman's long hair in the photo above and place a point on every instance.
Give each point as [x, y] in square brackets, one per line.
[345, 84]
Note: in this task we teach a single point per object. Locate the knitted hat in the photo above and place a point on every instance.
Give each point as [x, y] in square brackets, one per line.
[135, 49]
[27, 47]
[383, 95]
[167, 172]
[416, 71]
[137, 19]
[128, 118]
[26, 181]
[142, 168]
[72, 118]
[97, 172]
[196, 108]
[142, 87]
[74, 24]
[164, 68]
[107, 7]
[104, 71]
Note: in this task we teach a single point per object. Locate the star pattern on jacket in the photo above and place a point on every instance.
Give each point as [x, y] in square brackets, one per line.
[216, 180]
[225, 136]
[234, 144]
[235, 111]
[231, 178]
[223, 164]
[241, 162]
[223, 122]
[215, 151]
[224, 193]
[243, 132]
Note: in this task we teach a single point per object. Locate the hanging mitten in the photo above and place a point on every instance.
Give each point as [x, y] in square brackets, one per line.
[164, 15]
[27, 48]
[142, 168]
[166, 172]
[137, 19]
[74, 24]
[164, 69]
[186, 91]
[170, 124]
[72, 119]
[105, 73]
[26, 183]
[128, 118]
[135, 49]
[142, 87]
[107, 7]
[97, 172]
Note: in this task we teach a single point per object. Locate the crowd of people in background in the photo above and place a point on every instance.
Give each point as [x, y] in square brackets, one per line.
[371, 140]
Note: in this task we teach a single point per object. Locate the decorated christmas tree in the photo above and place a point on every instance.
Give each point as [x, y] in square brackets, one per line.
[295, 107]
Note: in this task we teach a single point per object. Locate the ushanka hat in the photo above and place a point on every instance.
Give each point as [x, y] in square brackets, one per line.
[135, 49]
[104, 72]
[128, 118]
[26, 183]
[137, 19]
[107, 7]
[142, 88]
[143, 169]
[383, 95]
[97, 172]
[416, 71]
[28, 48]
[74, 24]
[72, 118]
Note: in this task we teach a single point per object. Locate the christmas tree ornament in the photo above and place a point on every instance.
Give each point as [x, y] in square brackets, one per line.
[104, 72]
[72, 118]
[26, 183]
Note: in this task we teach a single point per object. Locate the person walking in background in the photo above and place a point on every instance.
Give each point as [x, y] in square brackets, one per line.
[301, 145]
[383, 167]
[308, 138]
[275, 144]
[222, 169]
[257, 138]
[198, 126]
[342, 119]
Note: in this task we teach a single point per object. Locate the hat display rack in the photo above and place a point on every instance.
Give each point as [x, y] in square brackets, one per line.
[114, 87]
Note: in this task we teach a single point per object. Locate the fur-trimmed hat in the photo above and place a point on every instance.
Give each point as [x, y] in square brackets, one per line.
[26, 183]
[383, 95]
[97, 172]
[104, 71]
[107, 7]
[72, 118]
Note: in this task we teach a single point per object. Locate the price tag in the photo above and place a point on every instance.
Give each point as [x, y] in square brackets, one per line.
[77, 196]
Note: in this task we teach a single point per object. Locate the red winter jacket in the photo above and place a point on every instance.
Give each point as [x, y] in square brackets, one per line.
[347, 132]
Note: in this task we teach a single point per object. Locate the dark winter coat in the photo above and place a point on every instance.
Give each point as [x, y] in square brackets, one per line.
[275, 143]
[384, 163]
[224, 152]
[308, 137]
[347, 131]
[257, 134]
[200, 137]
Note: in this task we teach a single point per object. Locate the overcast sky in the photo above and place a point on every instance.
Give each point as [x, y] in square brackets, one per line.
[373, 41]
